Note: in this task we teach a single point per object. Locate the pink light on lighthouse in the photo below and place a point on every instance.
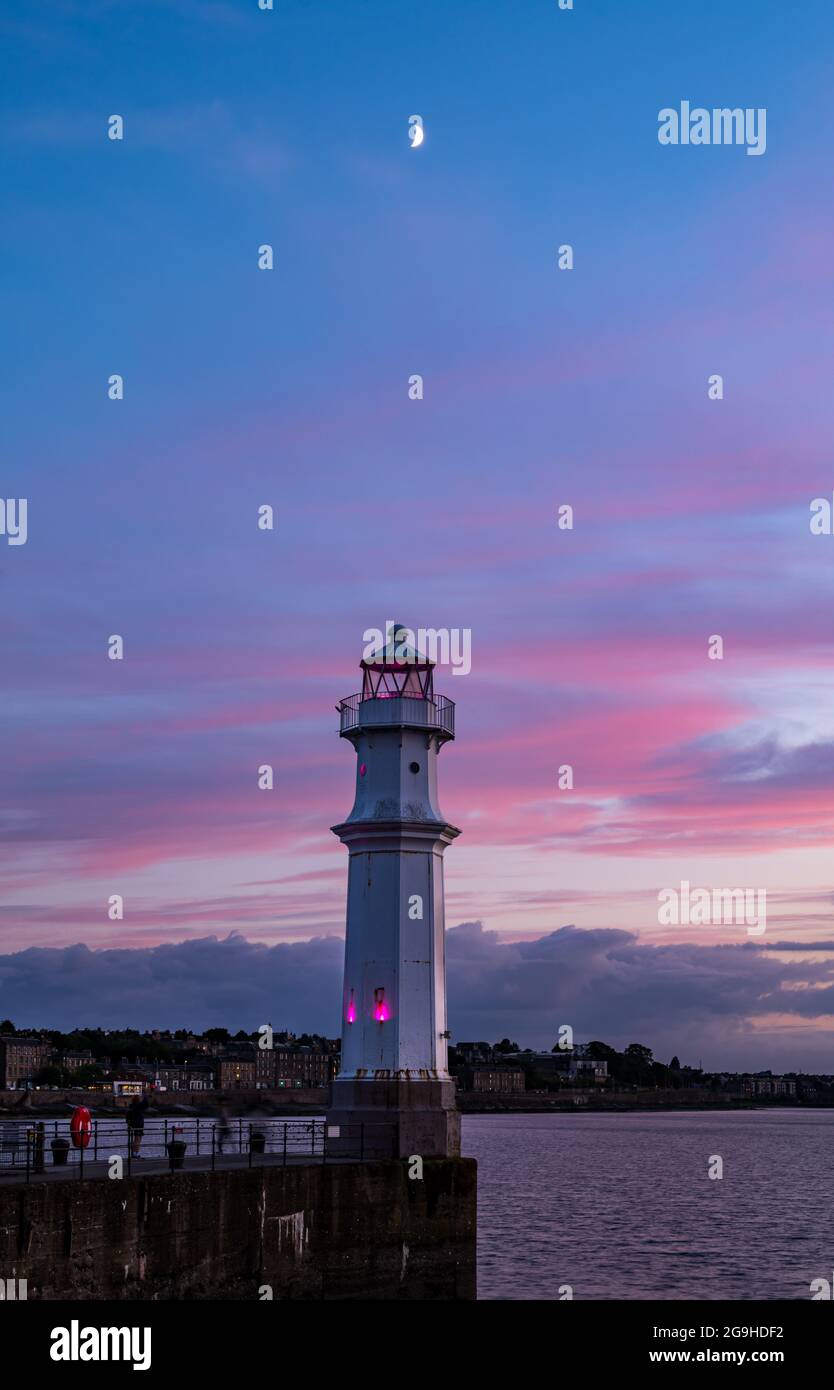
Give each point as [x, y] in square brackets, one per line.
[351, 1010]
[381, 1009]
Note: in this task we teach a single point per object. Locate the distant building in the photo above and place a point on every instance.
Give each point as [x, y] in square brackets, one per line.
[136, 1072]
[570, 1064]
[20, 1060]
[173, 1045]
[265, 1068]
[74, 1061]
[186, 1076]
[589, 1069]
[503, 1080]
[304, 1066]
[281, 1068]
[236, 1071]
[770, 1087]
[474, 1053]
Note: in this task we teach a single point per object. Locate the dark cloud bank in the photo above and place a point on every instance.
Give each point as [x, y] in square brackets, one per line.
[697, 1001]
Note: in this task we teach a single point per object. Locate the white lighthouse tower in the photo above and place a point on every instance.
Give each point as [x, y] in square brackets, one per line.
[394, 1081]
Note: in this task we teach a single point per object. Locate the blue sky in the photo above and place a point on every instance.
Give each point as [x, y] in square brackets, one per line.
[541, 387]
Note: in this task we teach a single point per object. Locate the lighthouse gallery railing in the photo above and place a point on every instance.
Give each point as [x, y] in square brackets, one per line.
[436, 712]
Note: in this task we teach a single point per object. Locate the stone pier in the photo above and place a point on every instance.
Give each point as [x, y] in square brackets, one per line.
[306, 1231]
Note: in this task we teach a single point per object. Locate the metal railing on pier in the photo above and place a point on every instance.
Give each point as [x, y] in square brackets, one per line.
[31, 1150]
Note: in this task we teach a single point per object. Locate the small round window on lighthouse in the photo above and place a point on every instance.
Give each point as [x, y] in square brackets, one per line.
[362, 769]
[414, 767]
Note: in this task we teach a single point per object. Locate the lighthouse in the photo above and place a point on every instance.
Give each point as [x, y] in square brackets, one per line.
[394, 1095]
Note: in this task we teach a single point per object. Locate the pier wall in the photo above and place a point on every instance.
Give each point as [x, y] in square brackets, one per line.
[311, 1231]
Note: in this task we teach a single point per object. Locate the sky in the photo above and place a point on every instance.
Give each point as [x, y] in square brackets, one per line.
[542, 388]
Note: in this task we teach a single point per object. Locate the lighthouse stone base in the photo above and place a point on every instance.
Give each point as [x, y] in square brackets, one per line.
[394, 1118]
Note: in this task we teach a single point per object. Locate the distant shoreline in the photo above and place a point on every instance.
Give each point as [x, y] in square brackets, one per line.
[312, 1104]
[645, 1102]
[626, 1109]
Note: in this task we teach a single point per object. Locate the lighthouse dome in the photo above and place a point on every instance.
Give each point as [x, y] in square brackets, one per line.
[396, 667]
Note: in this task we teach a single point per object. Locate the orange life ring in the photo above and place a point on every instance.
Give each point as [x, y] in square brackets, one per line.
[81, 1127]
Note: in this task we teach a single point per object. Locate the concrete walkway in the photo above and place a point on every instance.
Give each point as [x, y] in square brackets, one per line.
[151, 1167]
